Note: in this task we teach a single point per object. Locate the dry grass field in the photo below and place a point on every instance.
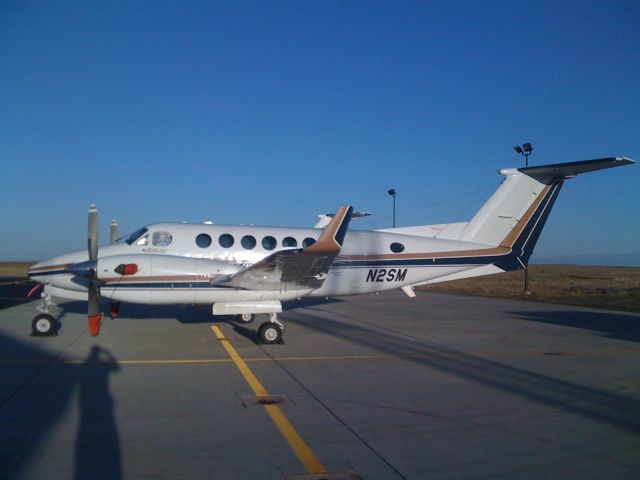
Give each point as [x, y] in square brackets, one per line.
[615, 288]
[15, 269]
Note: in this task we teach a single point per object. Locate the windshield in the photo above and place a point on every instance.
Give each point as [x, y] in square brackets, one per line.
[135, 235]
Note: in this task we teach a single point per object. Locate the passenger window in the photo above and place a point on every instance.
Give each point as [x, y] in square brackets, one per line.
[307, 242]
[289, 242]
[161, 239]
[226, 240]
[396, 247]
[269, 243]
[248, 242]
[203, 240]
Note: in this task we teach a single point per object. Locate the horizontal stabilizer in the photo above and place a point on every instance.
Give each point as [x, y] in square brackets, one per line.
[567, 170]
[325, 218]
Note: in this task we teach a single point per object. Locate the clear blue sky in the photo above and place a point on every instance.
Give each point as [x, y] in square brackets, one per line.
[271, 112]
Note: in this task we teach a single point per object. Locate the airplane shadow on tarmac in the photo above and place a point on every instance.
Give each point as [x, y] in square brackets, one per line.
[189, 314]
[185, 313]
[194, 314]
[596, 404]
[37, 395]
[609, 324]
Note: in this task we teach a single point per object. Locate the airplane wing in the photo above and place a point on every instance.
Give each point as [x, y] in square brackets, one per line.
[299, 268]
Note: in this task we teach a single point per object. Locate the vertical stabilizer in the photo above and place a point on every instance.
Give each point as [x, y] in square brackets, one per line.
[506, 208]
[514, 215]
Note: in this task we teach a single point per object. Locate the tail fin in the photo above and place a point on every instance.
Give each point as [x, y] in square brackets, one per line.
[514, 215]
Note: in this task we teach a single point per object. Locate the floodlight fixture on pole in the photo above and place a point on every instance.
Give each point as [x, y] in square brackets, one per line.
[524, 150]
[392, 192]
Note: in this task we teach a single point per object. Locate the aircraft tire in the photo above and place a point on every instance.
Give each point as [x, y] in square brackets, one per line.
[43, 325]
[246, 318]
[270, 333]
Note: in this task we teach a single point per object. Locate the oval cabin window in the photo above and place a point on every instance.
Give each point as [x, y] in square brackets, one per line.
[248, 242]
[289, 242]
[203, 240]
[225, 240]
[269, 243]
[397, 247]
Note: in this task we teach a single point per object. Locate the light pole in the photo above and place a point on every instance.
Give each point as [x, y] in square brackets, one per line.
[525, 150]
[392, 192]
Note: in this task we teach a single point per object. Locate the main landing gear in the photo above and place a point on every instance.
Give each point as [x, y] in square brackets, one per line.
[270, 332]
[246, 318]
[45, 323]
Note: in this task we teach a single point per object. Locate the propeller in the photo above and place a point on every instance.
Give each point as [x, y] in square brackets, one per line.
[93, 310]
[115, 233]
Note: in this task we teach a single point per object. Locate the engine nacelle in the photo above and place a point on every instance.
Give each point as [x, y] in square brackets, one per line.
[152, 268]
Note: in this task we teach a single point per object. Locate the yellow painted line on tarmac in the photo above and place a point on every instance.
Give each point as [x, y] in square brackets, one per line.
[295, 441]
[330, 358]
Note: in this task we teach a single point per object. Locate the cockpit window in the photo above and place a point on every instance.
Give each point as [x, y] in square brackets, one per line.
[143, 240]
[161, 239]
[136, 235]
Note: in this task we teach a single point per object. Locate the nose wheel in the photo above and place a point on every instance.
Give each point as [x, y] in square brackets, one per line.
[43, 325]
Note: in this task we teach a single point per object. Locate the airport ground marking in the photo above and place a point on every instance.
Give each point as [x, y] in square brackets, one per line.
[295, 441]
[333, 358]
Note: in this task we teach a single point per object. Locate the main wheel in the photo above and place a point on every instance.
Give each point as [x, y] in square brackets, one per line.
[270, 333]
[43, 325]
[246, 318]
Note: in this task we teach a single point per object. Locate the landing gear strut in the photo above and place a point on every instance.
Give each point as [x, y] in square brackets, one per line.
[271, 332]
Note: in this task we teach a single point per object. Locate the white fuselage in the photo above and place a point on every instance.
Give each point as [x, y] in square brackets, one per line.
[180, 263]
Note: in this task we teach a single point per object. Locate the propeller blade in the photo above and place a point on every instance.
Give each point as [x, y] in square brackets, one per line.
[93, 233]
[115, 233]
[93, 310]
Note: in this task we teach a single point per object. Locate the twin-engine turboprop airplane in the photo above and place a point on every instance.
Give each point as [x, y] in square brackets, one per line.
[247, 270]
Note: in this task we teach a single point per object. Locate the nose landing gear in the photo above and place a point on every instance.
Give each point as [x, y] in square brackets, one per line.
[45, 324]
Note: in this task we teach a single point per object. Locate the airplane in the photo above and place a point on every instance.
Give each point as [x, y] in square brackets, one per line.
[248, 270]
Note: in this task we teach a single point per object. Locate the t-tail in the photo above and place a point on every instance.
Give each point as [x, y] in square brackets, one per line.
[514, 216]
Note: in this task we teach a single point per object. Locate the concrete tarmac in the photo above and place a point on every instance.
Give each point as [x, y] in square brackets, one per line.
[372, 387]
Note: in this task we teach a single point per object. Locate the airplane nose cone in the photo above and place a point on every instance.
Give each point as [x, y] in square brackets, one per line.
[57, 266]
[36, 270]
